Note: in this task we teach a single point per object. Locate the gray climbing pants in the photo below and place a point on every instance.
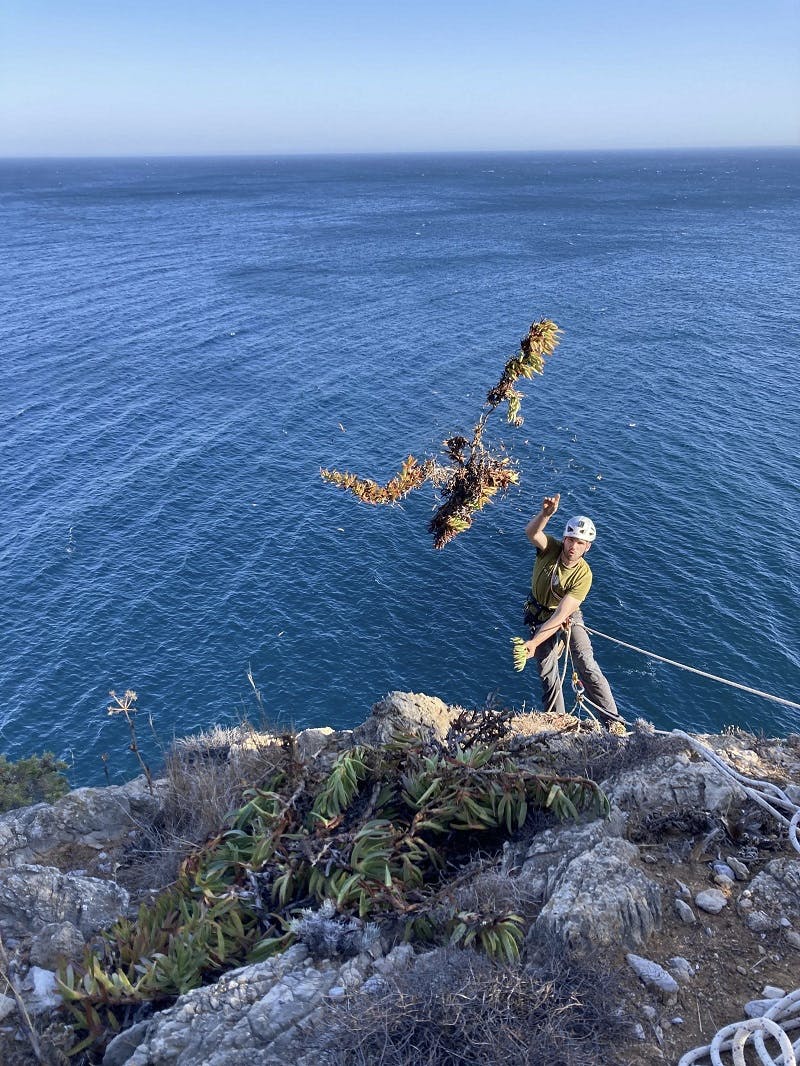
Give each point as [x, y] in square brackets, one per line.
[597, 688]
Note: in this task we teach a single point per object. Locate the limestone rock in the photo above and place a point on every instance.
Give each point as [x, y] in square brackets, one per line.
[741, 872]
[542, 863]
[89, 816]
[681, 969]
[257, 1013]
[685, 912]
[602, 898]
[316, 744]
[55, 942]
[757, 1008]
[406, 712]
[35, 896]
[776, 889]
[761, 922]
[673, 783]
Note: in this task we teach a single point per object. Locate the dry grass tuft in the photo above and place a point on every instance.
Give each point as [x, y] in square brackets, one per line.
[457, 1008]
[206, 777]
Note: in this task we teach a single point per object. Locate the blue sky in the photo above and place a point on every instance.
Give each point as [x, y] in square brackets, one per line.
[79, 77]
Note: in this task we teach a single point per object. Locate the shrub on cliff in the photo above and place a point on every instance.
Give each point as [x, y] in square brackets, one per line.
[380, 835]
[37, 779]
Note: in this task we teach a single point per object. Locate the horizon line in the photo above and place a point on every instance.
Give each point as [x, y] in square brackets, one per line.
[397, 152]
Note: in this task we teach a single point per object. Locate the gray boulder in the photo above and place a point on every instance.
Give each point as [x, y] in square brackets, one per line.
[32, 897]
[542, 864]
[601, 899]
[96, 817]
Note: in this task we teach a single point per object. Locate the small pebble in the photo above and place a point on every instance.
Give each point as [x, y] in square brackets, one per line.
[649, 1012]
[741, 969]
[793, 938]
[337, 992]
[725, 883]
[745, 904]
[677, 1021]
[773, 992]
[722, 869]
[684, 890]
[785, 923]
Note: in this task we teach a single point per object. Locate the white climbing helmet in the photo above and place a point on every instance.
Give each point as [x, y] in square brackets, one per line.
[581, 528]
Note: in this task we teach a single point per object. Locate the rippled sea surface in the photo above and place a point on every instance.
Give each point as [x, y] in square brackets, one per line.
[185, 343]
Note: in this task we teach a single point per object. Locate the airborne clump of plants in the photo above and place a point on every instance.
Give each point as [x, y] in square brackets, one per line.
[378, 840]
[474, 473]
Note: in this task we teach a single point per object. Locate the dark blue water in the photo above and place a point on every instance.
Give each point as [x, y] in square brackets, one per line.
[181, 340]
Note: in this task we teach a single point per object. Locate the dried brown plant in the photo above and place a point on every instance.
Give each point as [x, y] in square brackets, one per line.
[474, 474]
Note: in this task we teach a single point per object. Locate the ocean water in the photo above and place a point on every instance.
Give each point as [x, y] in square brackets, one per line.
[184, 343]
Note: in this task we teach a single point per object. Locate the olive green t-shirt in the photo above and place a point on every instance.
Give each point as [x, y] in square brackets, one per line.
[551, 581]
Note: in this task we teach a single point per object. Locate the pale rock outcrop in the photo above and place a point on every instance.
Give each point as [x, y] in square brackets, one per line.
[32, 897]
[258, 1013]
[406, 712]
[96, 817]
[601, 899]
[673, 783]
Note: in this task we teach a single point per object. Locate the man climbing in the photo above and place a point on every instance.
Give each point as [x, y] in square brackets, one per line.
[561, 581]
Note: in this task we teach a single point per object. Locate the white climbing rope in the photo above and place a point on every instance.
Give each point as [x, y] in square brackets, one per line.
[782, 1016]
[694, 670]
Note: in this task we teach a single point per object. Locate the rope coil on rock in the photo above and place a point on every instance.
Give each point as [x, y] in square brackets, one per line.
[782, 1016]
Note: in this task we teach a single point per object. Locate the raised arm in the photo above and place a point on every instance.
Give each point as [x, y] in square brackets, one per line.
[534, 530]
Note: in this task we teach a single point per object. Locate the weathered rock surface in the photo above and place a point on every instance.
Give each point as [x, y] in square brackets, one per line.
[654, 976]
[602, 899]
[406, 712]
[32, 897]
[254, 1014]
[776, 890]
[542, 863]
[673, 783]
[89, 816]
[55, 942]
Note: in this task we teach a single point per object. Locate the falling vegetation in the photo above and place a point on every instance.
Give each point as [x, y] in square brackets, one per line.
[376, 838]
[474, 473]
